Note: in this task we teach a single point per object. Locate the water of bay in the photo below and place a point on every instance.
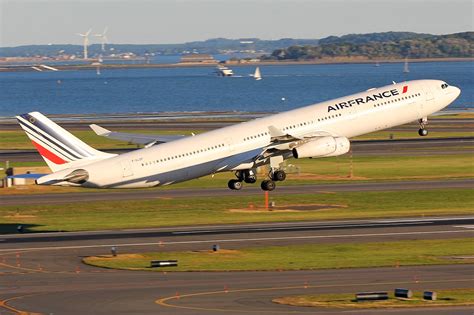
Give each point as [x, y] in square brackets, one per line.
[198, 89]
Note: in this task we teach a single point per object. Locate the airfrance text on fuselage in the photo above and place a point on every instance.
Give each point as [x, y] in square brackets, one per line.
[363, 100]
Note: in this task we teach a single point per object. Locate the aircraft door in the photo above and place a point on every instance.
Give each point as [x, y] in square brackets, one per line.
[428, 100]
[230, 144]
[126, 168]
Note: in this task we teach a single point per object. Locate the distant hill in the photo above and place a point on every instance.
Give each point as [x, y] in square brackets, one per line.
[372, 37]
[210, 46]
[368, 46]
[390, 45]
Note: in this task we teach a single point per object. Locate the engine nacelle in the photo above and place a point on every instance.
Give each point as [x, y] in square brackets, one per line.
[322, 147]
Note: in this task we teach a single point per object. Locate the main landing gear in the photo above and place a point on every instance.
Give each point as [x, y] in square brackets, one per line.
[249, 177]
[275, 176]
[423, 122]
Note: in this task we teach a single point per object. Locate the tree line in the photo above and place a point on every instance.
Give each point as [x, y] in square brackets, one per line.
[421, 46]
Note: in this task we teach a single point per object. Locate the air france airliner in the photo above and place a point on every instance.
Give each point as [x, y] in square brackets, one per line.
[314, 131]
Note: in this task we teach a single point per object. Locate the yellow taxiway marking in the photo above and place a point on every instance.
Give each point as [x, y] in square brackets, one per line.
[3, 303]
[165, 301]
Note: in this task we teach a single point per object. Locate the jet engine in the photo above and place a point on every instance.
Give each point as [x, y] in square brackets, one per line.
[322, 147]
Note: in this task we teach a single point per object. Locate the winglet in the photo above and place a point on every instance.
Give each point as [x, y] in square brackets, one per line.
[100, 131]
[275, 132]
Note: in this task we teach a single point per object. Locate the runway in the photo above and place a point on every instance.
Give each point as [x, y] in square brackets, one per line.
[157, 193]
[43, 273]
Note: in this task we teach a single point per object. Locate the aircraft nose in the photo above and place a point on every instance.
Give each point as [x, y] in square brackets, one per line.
[456, 92]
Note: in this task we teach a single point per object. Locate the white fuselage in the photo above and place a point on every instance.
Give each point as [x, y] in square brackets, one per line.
[235, 147]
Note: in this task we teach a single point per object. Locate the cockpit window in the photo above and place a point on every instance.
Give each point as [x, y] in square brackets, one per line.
[444, 85]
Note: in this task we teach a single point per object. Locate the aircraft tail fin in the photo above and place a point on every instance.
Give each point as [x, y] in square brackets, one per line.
[58, 147]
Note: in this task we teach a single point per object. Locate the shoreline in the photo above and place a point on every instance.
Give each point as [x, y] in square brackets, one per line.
[22, 68]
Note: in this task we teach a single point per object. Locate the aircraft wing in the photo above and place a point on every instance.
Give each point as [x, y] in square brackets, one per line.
[282, 143]
[281, 140]
[136, 138]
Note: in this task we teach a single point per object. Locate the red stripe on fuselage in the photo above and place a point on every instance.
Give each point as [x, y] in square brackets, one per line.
[405, 89]
[48, 154]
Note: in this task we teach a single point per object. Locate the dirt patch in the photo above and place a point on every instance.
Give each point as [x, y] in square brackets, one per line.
[289, 208]
[220, 251]
[463, 258]
[37, 189]
[19, 216]
[121, 256]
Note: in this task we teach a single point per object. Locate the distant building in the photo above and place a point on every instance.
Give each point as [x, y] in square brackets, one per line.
[198, 58]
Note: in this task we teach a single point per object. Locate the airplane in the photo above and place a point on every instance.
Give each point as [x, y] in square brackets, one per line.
[314, 131]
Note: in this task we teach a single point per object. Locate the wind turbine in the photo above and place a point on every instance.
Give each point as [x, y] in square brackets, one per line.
[103, 38]
[86, 41]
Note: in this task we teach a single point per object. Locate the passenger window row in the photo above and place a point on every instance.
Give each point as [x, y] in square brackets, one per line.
[306, 123]
[398, 99]
[330, 117]
[178, 156]
[258, 135]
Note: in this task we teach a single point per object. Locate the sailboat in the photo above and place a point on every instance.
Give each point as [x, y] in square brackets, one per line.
[257, 75]
[405, 67]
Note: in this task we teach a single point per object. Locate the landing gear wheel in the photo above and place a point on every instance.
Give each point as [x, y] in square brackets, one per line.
[234, 184]
[423, 132]
[279, 176]
[268, 185]
[250, 179]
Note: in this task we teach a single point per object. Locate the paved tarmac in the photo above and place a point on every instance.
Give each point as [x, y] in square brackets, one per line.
[43, 273]
[157, 193]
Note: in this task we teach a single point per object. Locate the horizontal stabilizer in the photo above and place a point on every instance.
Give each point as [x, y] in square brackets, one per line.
[133, 137]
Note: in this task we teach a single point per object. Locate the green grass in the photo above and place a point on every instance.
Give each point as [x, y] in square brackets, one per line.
[325, 170]
[302, 257]
[216, 210]
[433, 133]
[19, 140]
[365, 168]
[453, 297]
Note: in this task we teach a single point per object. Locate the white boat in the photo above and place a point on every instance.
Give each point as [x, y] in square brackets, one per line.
[223, 71]
[257, 75]
[405, 67]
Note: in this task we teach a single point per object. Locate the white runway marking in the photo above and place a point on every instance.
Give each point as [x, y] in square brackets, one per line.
[464, 226]
[236, 240]
[289, 228]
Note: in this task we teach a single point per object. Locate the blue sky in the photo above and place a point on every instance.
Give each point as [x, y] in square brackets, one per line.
[25, 22]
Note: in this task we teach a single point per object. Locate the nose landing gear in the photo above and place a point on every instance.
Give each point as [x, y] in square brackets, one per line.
[423, 132]
[423, 122]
